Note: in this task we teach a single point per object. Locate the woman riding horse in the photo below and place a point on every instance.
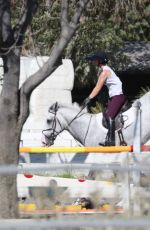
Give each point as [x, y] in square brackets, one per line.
[116, 97]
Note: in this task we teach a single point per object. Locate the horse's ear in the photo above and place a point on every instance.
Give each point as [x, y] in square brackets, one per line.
[56, 106]
[53, 107]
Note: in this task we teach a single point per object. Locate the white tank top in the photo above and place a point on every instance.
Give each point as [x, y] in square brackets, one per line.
[113, 83]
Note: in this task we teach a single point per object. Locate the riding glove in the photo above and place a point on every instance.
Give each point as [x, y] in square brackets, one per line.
[86, 102]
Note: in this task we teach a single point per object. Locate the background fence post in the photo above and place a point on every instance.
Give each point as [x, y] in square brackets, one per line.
[136, 152]
[137, 143]
[137, 129]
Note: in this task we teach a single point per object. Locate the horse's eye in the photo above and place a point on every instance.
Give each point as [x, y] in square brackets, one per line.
[48, 121]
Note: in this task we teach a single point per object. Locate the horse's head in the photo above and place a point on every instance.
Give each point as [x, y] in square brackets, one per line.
[52, 129]
[60, 118]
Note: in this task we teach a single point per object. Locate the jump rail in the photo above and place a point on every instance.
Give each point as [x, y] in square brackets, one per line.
[83, 149]
[74, 223]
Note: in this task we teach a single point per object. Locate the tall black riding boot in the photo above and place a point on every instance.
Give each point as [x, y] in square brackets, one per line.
[110, 138]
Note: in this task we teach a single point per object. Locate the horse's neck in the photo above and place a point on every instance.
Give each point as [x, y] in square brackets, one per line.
[75, 123]
[67, 117]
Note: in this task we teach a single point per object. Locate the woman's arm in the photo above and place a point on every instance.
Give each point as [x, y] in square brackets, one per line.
[101, 80]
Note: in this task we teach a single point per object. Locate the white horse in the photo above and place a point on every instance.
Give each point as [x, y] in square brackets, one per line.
[87, 128]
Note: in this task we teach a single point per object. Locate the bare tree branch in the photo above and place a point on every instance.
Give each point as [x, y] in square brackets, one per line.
[69, 28]
[64, 14]
[30, 9]
[79, 11]
[6, 35]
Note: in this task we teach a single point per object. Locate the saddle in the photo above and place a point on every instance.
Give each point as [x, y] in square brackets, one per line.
[119, 119]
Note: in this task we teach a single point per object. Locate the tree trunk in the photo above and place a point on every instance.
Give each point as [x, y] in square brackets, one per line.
[8, 155]
[10, 130]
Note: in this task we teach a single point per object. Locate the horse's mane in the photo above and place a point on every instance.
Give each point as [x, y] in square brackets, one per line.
[142, 98]
[57, 105]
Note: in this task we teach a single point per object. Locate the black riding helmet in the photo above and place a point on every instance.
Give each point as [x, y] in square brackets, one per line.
[98, 56]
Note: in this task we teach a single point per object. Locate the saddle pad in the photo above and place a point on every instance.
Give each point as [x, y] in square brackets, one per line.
[129, 117]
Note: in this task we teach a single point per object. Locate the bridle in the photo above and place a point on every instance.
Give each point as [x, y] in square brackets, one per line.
[51, 138]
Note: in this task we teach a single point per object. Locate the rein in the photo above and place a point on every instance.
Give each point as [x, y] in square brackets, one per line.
[54, 133]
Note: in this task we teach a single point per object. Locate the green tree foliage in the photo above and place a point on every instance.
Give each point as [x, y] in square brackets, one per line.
[105, 25]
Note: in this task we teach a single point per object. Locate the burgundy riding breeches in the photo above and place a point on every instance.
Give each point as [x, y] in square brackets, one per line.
[114, 105]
